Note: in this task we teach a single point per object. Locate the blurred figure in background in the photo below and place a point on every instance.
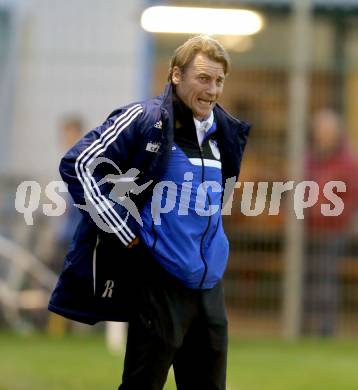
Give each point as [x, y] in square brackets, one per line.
[70, 131]
[330, 158]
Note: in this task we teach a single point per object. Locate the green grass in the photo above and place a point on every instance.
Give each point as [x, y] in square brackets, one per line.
[39, 362]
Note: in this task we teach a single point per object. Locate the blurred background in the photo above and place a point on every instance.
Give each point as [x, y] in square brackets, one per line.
[65, 65]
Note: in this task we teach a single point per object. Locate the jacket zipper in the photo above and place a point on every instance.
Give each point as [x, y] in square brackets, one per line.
[208, 225]
[155, 236]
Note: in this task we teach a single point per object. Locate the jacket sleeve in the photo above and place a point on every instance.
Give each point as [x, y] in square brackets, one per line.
[102, 153]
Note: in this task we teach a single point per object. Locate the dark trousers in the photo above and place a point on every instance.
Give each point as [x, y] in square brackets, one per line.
[176, 326]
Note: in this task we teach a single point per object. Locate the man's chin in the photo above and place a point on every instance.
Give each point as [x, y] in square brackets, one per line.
[201, 116]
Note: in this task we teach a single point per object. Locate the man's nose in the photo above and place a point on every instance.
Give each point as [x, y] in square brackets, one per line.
[212, 89]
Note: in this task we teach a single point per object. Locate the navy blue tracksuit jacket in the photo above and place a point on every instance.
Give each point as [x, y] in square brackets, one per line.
[101, 274]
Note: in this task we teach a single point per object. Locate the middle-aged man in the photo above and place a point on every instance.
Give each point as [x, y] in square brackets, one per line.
[154, 175]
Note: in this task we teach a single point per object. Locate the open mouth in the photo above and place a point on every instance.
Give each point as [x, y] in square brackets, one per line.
[204, 102]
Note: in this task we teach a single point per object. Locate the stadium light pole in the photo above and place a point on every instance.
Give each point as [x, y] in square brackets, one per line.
[296, 148]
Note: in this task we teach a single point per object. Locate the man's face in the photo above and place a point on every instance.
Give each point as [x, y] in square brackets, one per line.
[201, 85]
[326, 131]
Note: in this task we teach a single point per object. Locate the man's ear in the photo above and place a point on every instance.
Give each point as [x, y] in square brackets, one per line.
[176, 75]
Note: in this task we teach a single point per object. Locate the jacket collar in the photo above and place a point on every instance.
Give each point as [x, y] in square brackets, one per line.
[167, 100]
[230, 125]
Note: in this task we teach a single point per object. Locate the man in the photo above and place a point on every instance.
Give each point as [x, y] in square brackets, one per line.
[330, 158]
[70, 131]
[162, 273]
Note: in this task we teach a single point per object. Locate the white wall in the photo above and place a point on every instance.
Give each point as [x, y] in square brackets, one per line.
[78, 56]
